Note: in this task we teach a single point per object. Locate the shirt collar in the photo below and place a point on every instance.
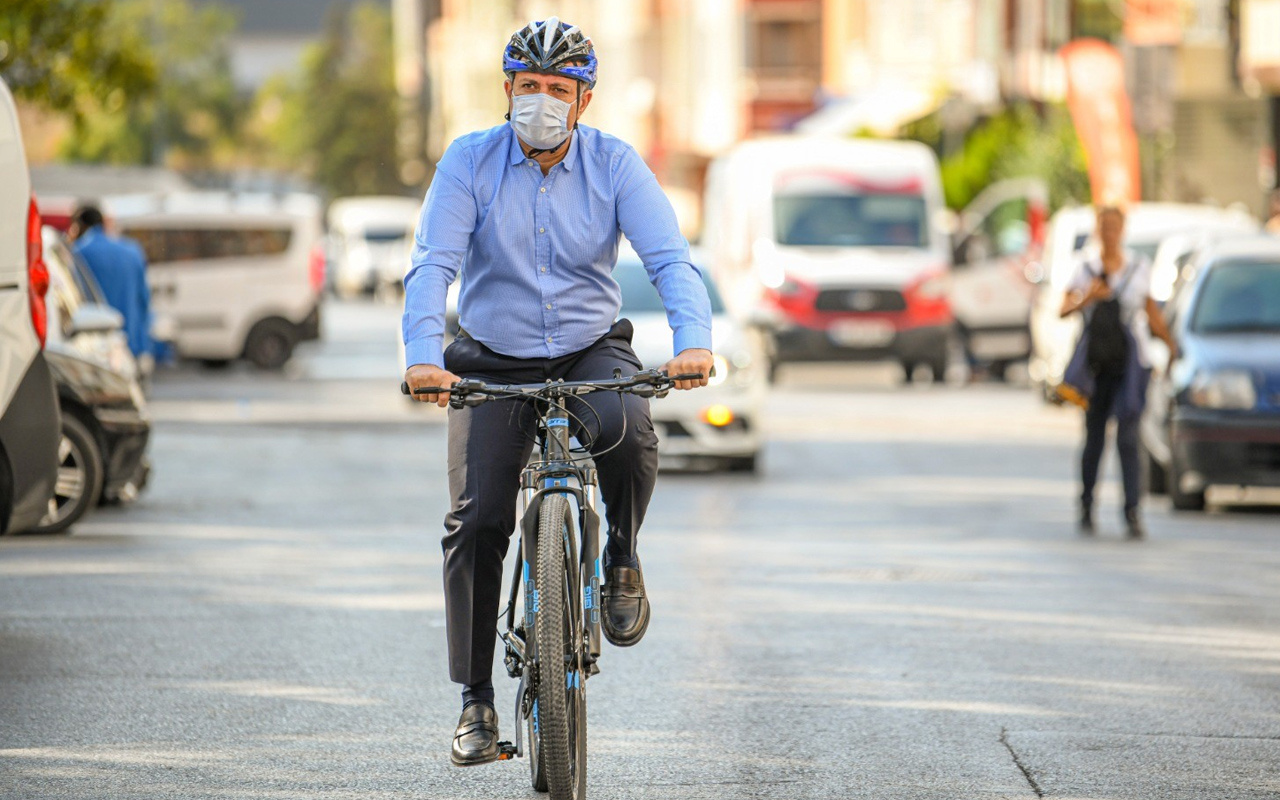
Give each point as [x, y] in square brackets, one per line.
[517, 156]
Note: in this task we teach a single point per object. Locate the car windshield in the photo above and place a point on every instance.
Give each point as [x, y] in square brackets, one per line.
[1239, 296]
[639, 296]
[851, 220]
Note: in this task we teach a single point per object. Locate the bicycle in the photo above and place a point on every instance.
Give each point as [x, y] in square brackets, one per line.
[555, 647]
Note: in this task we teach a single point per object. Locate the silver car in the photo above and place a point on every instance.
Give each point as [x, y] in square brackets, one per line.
[717, 426]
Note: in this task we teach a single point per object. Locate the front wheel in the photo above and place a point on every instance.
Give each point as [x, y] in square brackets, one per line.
[561, 711]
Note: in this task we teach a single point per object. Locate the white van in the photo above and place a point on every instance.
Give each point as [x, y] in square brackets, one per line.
[838, 245]
[236, 275]
[370, 241]
[29, 420]
[1071, 239]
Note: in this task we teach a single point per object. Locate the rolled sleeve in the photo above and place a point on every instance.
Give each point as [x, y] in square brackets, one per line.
[440, 246]
[647, 220]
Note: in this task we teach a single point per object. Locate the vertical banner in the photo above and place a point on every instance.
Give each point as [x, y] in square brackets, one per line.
[1103, 119]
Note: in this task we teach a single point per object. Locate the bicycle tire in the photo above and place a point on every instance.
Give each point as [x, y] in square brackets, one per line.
[561, 695]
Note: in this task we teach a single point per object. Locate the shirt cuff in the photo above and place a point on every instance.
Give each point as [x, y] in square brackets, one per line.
[423, 351]
[691, 336]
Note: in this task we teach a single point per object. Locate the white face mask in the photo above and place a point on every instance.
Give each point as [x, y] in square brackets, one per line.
[540, 120]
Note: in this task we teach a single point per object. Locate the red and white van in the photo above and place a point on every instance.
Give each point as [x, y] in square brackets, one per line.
[840, 246]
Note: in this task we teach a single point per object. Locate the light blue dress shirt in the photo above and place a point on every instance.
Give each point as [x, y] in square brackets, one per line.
[536, 252]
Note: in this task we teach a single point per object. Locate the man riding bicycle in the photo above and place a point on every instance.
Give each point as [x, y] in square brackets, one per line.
[530, 213]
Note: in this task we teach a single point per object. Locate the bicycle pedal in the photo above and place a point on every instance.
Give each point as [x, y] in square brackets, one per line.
[506, 751]
[593, 669]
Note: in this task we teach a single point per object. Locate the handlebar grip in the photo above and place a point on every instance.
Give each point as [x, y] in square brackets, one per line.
[689, 376]
[404, 389]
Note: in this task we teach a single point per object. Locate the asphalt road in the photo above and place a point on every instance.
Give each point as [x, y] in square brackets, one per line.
[898, 607]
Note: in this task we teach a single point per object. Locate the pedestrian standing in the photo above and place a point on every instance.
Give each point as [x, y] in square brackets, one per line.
[1113, 292]
[120, 267]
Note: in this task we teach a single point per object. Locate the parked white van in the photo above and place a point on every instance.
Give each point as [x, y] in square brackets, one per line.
[236, 275]
[838, 245]
[1071, 238]
[370, 241]
[30, 424]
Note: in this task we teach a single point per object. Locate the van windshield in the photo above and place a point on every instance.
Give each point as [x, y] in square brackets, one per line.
[850, 220]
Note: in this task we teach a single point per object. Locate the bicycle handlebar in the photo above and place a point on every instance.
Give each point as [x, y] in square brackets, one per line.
[469, 392]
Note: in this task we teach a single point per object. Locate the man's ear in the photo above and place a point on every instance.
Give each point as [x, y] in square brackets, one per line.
[584, 102]
[506, 87]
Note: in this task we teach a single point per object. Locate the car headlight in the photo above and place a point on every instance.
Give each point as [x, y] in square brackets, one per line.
[720, 373]
[1231, 388]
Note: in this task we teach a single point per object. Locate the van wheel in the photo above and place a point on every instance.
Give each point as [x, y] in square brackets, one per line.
[270, 344]
[80, 476]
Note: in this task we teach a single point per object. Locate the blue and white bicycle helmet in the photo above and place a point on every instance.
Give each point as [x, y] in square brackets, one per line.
[547, 47]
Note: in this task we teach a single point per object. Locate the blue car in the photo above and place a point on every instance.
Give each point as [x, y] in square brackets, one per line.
[1214, 419]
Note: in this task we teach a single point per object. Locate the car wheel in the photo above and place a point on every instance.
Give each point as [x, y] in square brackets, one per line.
[270, 344]
[1157, 476]
[80, 475]
[1182, 501]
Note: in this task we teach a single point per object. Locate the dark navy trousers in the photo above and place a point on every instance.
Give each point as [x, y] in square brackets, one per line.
[488, 447]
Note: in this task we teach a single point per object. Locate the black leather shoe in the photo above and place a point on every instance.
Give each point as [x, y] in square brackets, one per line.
[476, 739]
[626, 609]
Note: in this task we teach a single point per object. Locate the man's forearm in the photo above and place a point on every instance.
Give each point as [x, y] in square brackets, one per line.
[425, 291]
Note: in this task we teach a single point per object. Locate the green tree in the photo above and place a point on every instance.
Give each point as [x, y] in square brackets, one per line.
[193, 118]
[67, 56]
[1020, 141]
[336, 121]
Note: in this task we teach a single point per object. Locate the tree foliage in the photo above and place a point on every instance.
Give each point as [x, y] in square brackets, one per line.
[193, 117]
[336, 120]
[1020, 141]
[67, 55]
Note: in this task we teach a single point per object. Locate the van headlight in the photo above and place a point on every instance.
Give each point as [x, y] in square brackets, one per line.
[1228, 389]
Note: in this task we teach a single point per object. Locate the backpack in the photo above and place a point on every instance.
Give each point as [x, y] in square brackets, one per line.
[1108, 349]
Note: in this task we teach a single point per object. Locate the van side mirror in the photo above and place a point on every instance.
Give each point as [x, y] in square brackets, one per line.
[95, 318]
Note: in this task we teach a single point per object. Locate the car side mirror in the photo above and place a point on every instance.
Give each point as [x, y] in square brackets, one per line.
[95, 318]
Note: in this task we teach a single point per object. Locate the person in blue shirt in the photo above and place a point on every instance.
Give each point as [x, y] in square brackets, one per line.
[529, 214]
[120, 267]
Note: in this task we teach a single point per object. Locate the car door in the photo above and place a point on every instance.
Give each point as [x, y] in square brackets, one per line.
[998, 246]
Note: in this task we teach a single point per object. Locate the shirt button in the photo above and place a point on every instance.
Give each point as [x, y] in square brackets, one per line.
[544, 269]
[542, 230]
[543, 189]
[530, 163]
[548, 306]
[548, 340]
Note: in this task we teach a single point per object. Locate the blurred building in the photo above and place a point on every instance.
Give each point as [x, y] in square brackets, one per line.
[272, 35]
[684, 80]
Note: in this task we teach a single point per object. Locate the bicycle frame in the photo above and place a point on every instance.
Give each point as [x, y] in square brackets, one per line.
[555, 471]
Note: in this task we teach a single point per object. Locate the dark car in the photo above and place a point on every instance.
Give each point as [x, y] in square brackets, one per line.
[105, 429]
[1215, 418]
